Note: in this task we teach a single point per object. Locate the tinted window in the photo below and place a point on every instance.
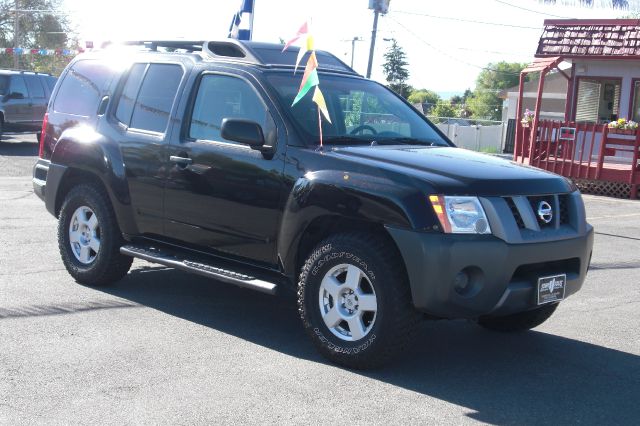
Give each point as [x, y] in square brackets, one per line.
[153, 105]
[18, 86]
[35, 87]
[80, 91]
[51, 82]
[4, 84]
[129, 93]
[222, 97]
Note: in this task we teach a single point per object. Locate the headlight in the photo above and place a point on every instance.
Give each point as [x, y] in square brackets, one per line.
[460, 215]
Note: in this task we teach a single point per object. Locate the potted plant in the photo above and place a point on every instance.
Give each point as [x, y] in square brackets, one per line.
[527, 118]
[622, 126]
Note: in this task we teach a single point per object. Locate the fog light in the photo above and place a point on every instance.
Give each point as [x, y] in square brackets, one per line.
[461, 282]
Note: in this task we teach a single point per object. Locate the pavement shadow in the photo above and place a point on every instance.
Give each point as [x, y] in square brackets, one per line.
[18, 149]
[526, 379]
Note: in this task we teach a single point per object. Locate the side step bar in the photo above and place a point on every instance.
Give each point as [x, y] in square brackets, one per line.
[164, 258]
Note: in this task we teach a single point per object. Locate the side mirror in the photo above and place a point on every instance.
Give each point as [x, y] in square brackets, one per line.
[244, 131]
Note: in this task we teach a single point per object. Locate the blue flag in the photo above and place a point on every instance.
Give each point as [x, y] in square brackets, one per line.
[242, 22]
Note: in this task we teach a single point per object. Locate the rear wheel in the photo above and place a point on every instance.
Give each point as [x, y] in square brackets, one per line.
[89, 238]
[38, 136]
[355, 302]
[521, 321]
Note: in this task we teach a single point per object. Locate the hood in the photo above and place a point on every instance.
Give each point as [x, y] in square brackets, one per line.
[458, 171]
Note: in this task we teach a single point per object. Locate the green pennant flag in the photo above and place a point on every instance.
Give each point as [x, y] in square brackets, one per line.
[311, 82]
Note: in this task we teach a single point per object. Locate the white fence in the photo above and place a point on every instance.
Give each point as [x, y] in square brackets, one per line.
[484, 136]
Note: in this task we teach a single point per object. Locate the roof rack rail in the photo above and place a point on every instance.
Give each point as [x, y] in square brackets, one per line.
[264, 54]
[23, 71]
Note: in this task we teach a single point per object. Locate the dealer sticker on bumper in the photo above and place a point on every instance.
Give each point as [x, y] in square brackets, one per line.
[551, 289]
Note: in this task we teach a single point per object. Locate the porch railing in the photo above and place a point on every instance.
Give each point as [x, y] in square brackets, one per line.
[594, 152]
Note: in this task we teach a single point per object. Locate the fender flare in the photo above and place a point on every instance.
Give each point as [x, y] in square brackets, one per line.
[376, 200]
[82, 149]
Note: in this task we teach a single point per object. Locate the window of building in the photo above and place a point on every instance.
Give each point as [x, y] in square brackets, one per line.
[598, 100]
[153, 104]
[81, 89]
[635, 112]
[219, 97]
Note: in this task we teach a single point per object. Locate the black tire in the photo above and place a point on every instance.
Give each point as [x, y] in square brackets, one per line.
[395, 319]
[108, 265]
[38, 136]
[521, 321]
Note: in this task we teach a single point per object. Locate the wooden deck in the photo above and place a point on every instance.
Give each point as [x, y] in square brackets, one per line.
[594, 154]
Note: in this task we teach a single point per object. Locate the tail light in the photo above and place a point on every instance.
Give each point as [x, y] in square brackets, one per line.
[43, 134]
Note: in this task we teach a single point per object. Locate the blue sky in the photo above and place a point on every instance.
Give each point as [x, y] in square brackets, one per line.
[444, 54]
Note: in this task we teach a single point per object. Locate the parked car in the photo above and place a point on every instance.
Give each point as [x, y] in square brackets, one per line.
[24, 96]
[196, 159]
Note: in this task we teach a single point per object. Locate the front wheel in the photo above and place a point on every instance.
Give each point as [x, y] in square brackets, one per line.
[521, 321]
[89, 238]
[355, 302]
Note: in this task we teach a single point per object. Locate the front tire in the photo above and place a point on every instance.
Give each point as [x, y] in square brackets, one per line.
[355, 302]
[89, 238]
[521, 321]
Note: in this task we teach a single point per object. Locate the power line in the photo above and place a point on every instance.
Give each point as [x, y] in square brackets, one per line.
[447, 54]
[471, 21]
[531, 10]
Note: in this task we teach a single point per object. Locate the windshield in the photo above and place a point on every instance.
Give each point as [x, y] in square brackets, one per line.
[361, 111]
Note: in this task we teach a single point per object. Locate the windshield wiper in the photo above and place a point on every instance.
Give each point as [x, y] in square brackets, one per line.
[345, 139]
[407, 141]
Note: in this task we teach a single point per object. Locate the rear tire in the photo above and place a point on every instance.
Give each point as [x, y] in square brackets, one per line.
[521, 321]
[38, 136]
[355, 302]
[89, 238]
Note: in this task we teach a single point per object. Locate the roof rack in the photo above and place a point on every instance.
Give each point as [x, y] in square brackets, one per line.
[23, 71]
[264, 54]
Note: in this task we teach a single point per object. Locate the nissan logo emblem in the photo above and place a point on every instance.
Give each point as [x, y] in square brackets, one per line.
[545, 212]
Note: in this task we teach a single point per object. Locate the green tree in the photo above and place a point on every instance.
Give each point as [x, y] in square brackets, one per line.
[41, 24]
[424, 96]
[444, 109]
[485, 103]
[395, 69]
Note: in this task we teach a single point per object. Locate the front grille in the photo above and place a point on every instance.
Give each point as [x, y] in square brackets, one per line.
[526, 209]
[564, 209]
[515, 212]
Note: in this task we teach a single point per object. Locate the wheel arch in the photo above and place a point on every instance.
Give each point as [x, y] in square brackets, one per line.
[318, 208]
[87, 156]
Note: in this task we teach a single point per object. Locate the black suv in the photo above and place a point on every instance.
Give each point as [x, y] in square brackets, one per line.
[24, 96]
[196, 159]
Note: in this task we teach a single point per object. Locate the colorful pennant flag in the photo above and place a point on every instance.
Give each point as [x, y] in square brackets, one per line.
[310, 78]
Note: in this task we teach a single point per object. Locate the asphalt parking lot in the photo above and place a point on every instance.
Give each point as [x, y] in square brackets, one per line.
[164, 347]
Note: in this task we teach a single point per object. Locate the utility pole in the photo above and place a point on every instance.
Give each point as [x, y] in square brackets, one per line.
[353, 47]
[16, 31]
[373, 41]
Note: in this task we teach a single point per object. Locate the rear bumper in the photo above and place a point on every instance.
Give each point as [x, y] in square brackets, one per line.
[46, 180]
[503, 276]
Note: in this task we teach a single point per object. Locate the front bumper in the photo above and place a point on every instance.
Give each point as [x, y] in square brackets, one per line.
[503, 277]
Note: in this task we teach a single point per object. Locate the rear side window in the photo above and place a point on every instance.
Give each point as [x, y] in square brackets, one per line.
[35, 87]
[149, 109]
[81, 89]
[129, 93]
[17, 85]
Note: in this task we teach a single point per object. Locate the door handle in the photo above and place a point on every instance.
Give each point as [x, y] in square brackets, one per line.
[180, 161]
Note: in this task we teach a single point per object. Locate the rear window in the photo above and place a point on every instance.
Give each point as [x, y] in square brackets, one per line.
[50, 81]
[81, 89]
[148, 106]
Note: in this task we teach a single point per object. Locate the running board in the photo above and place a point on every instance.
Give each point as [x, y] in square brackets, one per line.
[169, 259]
